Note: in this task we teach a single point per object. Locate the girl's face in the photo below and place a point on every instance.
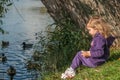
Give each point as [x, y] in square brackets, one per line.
[92, 31]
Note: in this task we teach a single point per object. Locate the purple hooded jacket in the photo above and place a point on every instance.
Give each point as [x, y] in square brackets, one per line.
[100, 49]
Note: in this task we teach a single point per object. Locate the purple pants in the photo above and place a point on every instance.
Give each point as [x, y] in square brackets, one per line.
[80, 60]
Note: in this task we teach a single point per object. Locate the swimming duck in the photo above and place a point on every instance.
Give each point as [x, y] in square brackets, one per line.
[11, 72]
[26, 46]
[3, 58]
[33, 65]
[5, 44]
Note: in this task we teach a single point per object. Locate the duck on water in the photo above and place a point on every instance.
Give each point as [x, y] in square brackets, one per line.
[3, 58]
[26, 45]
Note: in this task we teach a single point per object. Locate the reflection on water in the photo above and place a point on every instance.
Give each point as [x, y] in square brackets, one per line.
[22, 21]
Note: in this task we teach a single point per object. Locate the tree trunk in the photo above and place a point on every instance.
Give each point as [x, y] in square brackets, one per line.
[81, 10]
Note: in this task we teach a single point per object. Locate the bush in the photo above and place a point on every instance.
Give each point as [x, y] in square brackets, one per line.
[62, 43]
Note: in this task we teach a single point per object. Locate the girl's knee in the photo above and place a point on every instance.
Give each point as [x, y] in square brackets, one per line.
[79, 53]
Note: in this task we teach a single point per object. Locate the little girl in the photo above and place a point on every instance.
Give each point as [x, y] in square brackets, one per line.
[99, 51]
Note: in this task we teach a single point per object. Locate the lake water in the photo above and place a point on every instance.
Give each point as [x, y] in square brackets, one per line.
[21, 23]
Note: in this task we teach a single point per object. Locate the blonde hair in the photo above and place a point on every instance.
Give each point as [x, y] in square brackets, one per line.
[99, 24]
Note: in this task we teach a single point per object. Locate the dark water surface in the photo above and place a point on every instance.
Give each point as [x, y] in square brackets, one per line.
[22, 21]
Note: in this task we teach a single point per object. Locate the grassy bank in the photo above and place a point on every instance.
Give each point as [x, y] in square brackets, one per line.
[108, 71]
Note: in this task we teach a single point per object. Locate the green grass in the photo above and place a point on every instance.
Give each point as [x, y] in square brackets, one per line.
[108, 71]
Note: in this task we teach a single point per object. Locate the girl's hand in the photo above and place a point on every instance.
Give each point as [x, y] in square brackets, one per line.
[86, 54]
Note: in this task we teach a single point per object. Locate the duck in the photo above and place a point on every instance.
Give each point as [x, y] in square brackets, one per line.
[26, 46]
[3, 58]
[11, 71]
[33, 65]
[5, 44]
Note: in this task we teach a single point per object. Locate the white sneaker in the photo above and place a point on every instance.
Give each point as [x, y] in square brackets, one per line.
[69, 73]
